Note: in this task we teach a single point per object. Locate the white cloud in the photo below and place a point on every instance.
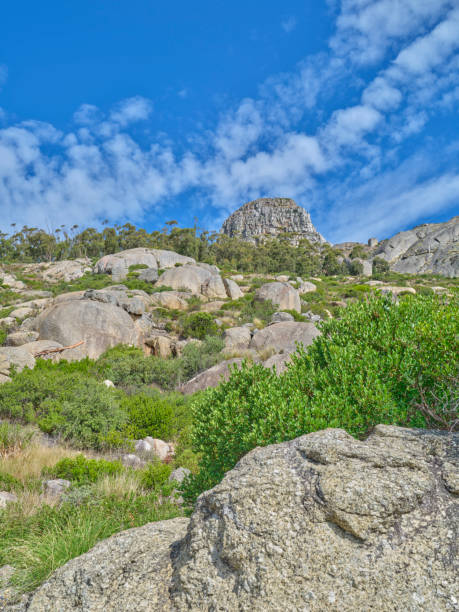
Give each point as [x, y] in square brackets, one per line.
[348, 126]
[367, 29]
[87, 114]
[132, 110]
[294, 139]
[289, 24]
[382, 95]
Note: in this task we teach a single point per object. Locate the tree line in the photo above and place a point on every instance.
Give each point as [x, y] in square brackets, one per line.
[274, 255]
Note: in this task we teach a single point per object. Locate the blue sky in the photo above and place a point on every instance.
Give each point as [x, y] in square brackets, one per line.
[146, 111]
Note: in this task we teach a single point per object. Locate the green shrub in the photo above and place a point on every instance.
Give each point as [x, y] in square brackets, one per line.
[296, 315]
[9, 483]
[155, 475]
[81, 471]
[358, 252]
[371, 366]
[149, 416]
[90, 415]
[380, 266]
[356, 268]
[199, 325]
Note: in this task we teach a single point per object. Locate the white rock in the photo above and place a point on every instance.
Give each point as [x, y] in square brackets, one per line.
[109, 383]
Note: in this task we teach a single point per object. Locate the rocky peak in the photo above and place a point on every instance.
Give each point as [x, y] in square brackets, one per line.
[269, 217]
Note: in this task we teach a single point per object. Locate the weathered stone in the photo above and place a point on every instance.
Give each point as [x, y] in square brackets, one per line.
[237, 338]
[37, 347]
[284, 337]
[212, 306]
[179, 475]
[150, 275]
[132, 460]
[22, 312]
[7, 498]
[269, 217]
[189, 278]
[129, 572]
[323, 522]
[21, 337]
[56, 487]
[282, 295]
[18, 356]
[175, 300]
[214, 287]
[233, 290]
[153, 258]
[4, 365]
[278, 361]
[99, 325]
[162, 346]
[211, 377]
[432, 248]
[306, 287]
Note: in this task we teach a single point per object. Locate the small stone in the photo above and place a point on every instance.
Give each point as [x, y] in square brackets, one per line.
[56, 487]
[7, 498]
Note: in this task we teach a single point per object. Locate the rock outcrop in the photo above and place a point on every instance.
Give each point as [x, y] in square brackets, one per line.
[211, 377]
[323, 522]
[280, 294]
[270, 217]
[432, 248]
[100, 325]
[284, 337]
[152, 258]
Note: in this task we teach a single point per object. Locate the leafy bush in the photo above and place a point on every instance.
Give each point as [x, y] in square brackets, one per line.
[155, 475]
[296, 315]
[87, 417]
[371, 366]
[250, 308]
[199, 325]
[358, 252]
[356, 268]
[62, 400]
[380, 266]
[9, 483]
[81, 470]
[149, 416]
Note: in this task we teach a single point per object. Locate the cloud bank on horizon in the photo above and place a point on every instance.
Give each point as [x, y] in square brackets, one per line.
[362, 134]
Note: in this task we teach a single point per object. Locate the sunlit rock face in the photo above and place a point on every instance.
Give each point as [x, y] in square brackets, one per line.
[271, 217]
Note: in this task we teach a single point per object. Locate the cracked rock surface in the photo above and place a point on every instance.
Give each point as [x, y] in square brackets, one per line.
[323, 522]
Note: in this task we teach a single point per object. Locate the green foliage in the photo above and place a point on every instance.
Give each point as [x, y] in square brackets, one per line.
[380, 266]
[80, 470]
[358, 252]
[9, 483]
[14, 438]
[199, 325]
[296, 315]
[356, 268]
[149, 416]
[372, 366]
[155, 475]
[39, 544]
[249, 308]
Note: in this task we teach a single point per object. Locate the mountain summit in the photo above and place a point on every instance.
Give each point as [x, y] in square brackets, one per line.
[270, 217]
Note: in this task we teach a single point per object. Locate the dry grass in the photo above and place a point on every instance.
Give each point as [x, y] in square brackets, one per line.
[266, 353]
[118, 485]
[30, 462]
[29, 502]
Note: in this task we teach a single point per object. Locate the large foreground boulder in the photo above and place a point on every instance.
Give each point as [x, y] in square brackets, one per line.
[100, 325]
[322, 523]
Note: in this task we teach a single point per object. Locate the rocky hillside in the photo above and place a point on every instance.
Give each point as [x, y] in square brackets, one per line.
[324, 522]
[431, 248]
[270, 217]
